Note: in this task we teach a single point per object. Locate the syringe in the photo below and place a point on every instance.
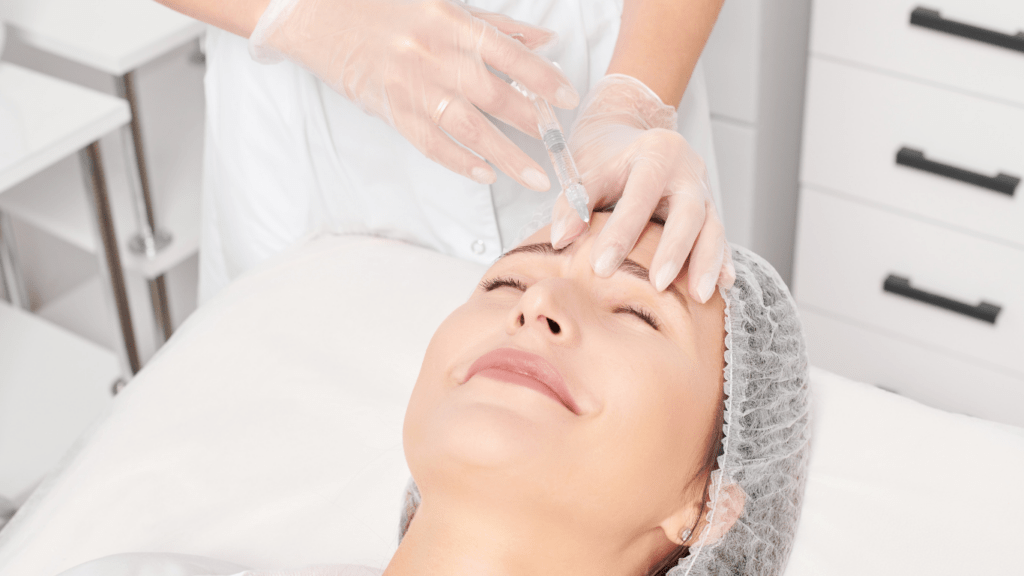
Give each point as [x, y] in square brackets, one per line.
[554, 141]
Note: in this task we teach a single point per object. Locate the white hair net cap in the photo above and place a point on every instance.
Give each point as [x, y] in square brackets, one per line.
[762, 462]
[766, 432]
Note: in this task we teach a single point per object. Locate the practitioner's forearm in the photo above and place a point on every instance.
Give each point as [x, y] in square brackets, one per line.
[236, 16]
[660, 41]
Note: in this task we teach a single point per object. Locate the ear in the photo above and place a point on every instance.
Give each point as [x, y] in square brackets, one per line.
[724, 511]
[727, 507]
[680, 521]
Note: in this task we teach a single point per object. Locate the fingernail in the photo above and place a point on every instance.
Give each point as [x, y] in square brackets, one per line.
[549, 43]
[536, 179]
[567, 97]
[607, 262]
[706, 287]
[571, 228]
[665, 276]
[482, 175]
[557, 231]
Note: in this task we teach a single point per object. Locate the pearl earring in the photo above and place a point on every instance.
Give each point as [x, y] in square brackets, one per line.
[684, 535]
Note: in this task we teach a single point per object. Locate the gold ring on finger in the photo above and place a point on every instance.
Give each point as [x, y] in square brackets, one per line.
[436, 117]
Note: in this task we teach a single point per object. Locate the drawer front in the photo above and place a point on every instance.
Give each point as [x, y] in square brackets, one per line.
[924, 374]
[857, 122]
[846, 252]
[878, 33]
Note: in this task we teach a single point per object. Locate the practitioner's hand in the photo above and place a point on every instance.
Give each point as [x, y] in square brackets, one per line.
[421, 66]
[629, 154]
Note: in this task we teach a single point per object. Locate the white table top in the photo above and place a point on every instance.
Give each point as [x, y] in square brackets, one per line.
[116, 36]
[43, 119]
[171, 97]
[53, 384]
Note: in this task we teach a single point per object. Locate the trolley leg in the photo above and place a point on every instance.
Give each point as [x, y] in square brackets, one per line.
[150, 239]
[10, 273]
[161, 308]
[111, 273]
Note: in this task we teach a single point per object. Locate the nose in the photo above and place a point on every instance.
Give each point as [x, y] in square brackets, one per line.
[548, 308]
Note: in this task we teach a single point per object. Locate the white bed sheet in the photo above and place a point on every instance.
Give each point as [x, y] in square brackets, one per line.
[268, 433]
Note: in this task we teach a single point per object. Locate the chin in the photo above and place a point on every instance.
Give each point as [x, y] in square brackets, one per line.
[483, 435]
[469, 444]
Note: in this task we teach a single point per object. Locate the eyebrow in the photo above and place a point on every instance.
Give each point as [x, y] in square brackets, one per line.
[631, 267]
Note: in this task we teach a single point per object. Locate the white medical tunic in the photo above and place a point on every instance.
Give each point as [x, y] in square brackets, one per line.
[286, 157]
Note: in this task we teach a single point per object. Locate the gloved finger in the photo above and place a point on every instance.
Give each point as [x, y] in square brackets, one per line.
[640, 198]
[531, 70]
[566, 225]
[440, 148]
[686, 217]
[492, 95]
[728, 276]
[707, 257]
[533, 37]
[472, 129]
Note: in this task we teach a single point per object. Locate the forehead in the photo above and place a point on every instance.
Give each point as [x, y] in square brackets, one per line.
[643, 251]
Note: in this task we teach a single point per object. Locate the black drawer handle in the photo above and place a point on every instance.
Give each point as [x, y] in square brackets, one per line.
[899, 285]
[928, 18]
[915, 159]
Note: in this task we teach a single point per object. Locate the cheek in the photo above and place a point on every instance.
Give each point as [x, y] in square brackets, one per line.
[435, 373]
[646, 395]
[458, 341]
[657, 415]
[464, 332]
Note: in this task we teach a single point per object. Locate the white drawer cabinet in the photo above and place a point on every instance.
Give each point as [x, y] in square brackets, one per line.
[909, 265]
[858, 122]
[879, 34]
[847, 250]
[929, 375]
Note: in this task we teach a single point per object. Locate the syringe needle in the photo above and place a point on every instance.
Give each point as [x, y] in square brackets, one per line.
[558, 151]
[576, 194]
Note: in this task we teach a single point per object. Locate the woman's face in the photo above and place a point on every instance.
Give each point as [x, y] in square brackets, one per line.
[583, 401]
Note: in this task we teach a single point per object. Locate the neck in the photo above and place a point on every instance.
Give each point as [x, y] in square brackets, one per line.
[451, 541]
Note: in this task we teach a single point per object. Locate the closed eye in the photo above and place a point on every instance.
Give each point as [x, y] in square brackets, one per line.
[502, 282]
[639, 313]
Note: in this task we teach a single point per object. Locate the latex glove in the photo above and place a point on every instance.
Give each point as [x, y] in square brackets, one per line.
[421, 66]
[629, 154]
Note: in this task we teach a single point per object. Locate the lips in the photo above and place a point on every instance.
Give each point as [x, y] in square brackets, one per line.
[525, 369]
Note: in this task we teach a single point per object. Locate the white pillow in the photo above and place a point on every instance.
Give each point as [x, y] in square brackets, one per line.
[896, 487]
[268, 433]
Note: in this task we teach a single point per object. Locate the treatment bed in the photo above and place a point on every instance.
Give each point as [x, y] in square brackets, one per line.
[267, 433]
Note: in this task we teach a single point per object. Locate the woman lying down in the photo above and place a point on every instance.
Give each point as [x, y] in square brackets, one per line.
[565, 424]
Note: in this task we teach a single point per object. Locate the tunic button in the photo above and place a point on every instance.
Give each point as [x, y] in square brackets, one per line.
[478, 247]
